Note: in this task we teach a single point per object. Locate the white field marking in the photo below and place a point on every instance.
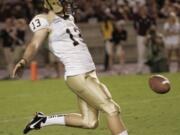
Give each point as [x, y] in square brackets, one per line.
[125, 115]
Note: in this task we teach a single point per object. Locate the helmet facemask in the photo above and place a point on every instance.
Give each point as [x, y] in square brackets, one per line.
[68, 6]
[60, 6]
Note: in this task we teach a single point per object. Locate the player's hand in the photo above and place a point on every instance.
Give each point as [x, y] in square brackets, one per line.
[19, 69]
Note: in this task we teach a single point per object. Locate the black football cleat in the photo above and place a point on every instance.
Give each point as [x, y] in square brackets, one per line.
[35, 123]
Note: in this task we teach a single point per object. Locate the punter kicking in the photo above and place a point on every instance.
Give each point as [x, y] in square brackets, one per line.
[66, 43]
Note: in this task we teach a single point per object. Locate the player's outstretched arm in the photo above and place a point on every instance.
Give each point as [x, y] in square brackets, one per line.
[31, 50]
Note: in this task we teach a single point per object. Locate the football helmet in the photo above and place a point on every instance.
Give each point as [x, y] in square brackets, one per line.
[59, 6]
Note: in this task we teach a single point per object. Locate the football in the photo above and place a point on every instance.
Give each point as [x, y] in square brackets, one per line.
[159, 84]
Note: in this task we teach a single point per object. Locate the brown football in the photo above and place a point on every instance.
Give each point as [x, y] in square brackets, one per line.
[159, 84]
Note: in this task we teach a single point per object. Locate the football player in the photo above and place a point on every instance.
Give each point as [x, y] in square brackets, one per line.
[66, 43]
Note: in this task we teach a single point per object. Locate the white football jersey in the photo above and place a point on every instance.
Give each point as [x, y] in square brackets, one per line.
[66, 43]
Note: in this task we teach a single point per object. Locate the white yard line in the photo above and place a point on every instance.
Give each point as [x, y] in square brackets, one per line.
[128, 115]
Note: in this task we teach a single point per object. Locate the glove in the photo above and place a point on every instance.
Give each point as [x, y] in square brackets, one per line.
[19, 69]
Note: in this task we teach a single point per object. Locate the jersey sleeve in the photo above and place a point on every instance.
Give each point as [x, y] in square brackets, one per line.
[38, 23]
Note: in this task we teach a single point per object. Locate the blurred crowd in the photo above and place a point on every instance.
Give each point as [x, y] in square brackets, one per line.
[124, 9]
[154, 49]
[92, 9]
[112, 16]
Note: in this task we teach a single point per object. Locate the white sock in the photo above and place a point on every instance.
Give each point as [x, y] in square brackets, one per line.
[124, 133]
[54, 120]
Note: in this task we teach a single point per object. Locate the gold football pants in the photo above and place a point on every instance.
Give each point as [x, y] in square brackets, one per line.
[93, 96]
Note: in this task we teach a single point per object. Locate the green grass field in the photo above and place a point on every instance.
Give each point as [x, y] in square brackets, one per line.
[144, 112]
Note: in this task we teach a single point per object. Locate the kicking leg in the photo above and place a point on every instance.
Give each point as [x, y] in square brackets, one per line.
[87, 118]
[97, 95]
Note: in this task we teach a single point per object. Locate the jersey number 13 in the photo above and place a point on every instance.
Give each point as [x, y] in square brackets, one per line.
[36, 23]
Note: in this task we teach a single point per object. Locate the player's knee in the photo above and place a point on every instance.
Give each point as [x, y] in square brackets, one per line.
[111, 108]
[91, 125]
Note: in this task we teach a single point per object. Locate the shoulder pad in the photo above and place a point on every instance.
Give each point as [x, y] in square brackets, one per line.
[39, 22]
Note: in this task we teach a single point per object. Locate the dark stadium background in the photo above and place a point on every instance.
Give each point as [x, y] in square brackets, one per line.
[144, 112]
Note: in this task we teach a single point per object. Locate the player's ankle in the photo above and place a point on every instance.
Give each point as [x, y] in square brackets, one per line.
[54, 120]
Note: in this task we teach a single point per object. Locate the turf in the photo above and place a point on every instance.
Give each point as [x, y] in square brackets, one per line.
[144, 112]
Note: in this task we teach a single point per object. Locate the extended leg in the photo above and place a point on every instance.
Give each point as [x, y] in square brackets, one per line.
[97, 95]
[87, 118]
